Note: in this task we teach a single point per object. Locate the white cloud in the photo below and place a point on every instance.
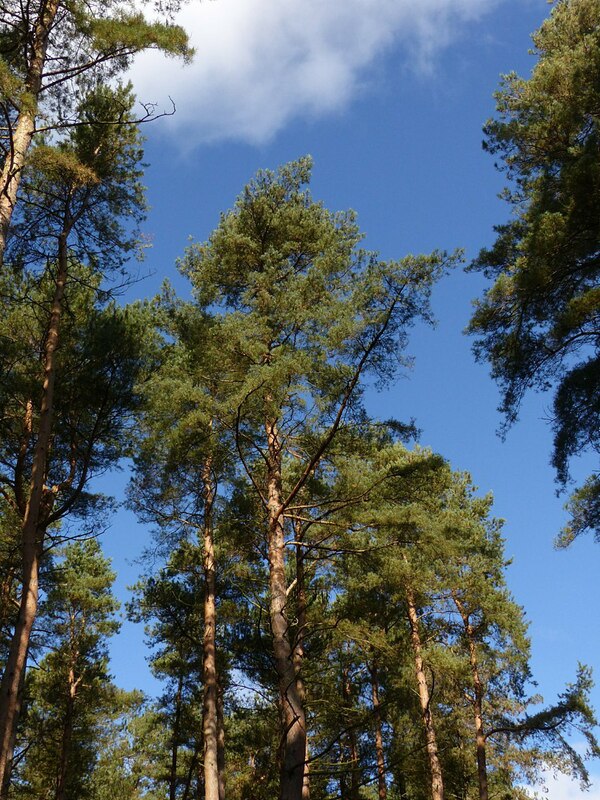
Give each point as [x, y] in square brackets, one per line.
[563, 788]
[262, 63]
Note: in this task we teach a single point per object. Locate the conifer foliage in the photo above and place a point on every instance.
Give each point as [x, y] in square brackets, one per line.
[325, 602]
[52, 53]
[355, 611]
[538, 323]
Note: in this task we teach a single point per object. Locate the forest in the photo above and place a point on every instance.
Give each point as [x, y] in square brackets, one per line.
[325, 600]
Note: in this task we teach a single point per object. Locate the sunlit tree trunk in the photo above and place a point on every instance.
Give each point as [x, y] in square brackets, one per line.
[293, 734]
[437, 783]
[22, 133]
[480, 740]
[37, 510]
[210, 721]
[221, 745]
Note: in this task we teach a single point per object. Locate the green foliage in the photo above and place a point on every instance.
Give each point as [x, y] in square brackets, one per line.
[422, 532]
[122, 765]
[301, 315]
[88, 187]
[289, 317]
[53, 56]
[70, 694]
[131, 33]
[538, 324]
[84, 43]
[547, 736]
[103, 353]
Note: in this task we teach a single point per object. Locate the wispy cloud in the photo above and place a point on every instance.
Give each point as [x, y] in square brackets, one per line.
[262, 63]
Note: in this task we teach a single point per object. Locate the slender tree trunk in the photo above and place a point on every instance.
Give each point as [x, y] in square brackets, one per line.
[381, 784]
[65, 747]
[21, 492]
[352, 746]
[210, 715]
[38, 507]
[480, 739]
[401, 787]
[5, 788]
[191, 770]
[301, 614]
[175, 740]
[22, 133]
[437, 783]
[293, 722]
[221, 745]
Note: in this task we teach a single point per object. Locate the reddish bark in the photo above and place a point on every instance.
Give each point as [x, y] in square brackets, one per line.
[24, 129]
[480, 738]
[38, 508]
[210, 715]
[293, 721]
[435, 769]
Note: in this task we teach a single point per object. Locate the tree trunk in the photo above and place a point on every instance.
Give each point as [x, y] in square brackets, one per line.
[175, 740]
[437, 783]
[381, 784]
[193, 768]
[399, 777]
[221, 745]
[210, 715]
[293, 722]
[22, 133]
[352, 747]
[301, 614]
[65, 747]
[480, 740]
[37, 510]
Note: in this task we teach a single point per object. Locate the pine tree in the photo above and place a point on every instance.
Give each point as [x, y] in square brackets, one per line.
[60, 402]
[304, 316]
[423, 581]
[538, 323]
[184, 459]
[71, 691]
[171, 605]
[52, 53]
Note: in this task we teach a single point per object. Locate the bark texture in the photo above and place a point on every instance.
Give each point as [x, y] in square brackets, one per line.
[24, 129]
[221, 745]
[435, 769]
[210, 713]
[38, 508]
[480, 738]
[293, 721]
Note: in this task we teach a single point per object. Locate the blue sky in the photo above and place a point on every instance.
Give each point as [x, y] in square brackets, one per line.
[389, 98]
